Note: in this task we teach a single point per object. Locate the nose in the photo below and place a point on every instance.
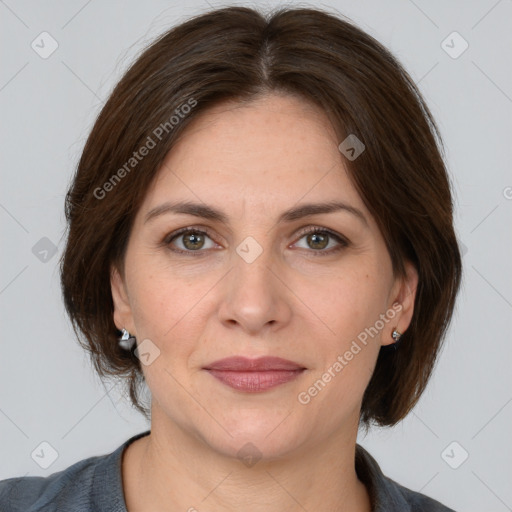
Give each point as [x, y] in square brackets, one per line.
[254, 295]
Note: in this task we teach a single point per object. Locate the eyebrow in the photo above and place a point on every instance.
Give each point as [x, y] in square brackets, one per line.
[208, 212]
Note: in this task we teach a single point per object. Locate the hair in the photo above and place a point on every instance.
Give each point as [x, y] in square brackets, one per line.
[239, 54]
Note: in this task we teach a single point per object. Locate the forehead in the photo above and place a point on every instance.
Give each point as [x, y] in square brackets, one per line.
[280, 149]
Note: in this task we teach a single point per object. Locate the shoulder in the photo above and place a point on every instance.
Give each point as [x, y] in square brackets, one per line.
[68, 488]
[387, 495]
[418, 502]
[90, 485]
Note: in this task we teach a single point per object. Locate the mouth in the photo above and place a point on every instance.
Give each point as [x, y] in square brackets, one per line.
[254, 375]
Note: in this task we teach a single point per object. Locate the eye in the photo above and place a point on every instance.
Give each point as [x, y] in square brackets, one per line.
[189, 240]
[318, 239]
[192, 240]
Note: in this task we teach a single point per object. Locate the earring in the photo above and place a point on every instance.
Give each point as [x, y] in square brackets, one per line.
[396, 335]
[126, 341]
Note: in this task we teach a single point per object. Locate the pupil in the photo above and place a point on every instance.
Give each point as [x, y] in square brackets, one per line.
[315, 237]
[192, 241]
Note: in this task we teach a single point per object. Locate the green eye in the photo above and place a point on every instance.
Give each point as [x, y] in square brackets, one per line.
[192, 240]
[317, 239]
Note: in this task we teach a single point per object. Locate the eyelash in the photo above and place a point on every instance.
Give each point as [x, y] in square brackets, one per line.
[343, 243]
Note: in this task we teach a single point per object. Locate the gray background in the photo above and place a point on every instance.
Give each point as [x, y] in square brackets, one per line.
[48, 391]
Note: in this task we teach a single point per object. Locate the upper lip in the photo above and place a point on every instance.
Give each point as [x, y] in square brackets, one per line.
[241, 364]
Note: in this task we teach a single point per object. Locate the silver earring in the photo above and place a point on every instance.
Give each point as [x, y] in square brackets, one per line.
[396, 335]
[126, 341]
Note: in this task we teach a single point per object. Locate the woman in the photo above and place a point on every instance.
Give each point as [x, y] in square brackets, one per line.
[260, 229]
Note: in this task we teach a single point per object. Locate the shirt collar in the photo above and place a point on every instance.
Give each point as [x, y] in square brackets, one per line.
[385, 495]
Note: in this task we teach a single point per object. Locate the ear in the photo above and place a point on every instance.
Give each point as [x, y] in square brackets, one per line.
[402, 300]
[123, 317]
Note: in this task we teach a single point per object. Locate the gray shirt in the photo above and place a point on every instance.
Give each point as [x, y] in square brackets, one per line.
[95, 485]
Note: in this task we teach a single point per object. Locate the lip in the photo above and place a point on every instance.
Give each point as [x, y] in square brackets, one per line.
[260, 364]
[254, 375]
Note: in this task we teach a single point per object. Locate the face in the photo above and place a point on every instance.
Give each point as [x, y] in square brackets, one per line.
[248, 276]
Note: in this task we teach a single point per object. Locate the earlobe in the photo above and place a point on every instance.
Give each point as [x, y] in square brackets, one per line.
[403, 302]
[122, 310]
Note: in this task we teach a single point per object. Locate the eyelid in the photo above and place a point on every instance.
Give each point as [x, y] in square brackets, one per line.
[342, 241]
[200, 229]
[321, 229]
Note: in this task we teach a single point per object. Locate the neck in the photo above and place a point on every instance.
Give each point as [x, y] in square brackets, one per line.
[170, 470]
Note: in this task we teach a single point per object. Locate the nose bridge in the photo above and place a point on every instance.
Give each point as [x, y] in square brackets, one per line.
[253, 295]
[253, 262]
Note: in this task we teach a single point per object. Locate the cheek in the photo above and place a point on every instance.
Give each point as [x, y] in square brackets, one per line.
[350, 307]
[163, 303]
[350, 304]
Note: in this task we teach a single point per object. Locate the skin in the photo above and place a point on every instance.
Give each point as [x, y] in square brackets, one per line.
[253, 162]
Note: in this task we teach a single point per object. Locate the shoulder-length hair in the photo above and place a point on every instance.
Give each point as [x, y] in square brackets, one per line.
[238, 54]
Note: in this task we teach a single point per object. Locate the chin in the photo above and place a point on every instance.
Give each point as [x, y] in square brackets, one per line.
[258, 438]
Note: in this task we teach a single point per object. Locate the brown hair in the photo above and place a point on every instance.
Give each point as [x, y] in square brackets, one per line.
[237, 53]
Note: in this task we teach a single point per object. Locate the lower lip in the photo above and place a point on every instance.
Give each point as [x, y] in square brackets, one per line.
[254, 382]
